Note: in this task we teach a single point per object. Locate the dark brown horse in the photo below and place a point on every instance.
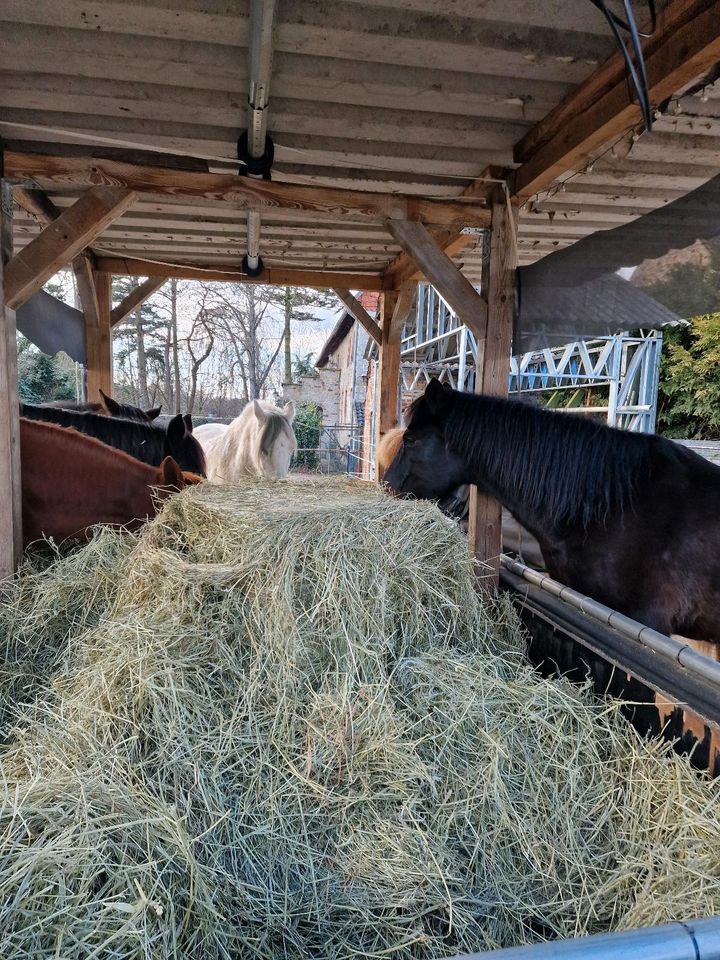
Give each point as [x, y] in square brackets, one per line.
[148, 442]
[629, 519]
[71, 482]
[107, 406]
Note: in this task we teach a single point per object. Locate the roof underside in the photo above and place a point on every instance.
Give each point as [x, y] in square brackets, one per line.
[393, 97]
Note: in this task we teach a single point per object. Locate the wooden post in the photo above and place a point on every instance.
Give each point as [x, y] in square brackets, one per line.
[493, 370]
[388, 414]
[98, 338]
[10, 480]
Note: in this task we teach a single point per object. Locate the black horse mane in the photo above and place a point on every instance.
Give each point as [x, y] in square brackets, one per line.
[562, 466]
[142, 440]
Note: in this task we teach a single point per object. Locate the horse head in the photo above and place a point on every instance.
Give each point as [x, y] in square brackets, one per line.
[170, 475]
[127, 411]
[423, 466]
[182, 446]
[277, 439]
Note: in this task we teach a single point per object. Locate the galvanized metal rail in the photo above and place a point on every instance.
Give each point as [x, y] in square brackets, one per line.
[694, 940]
[668, 666]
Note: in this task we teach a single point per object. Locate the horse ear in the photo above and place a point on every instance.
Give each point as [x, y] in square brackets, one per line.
[187, 420]
[436, 396]
[153, 413]
[171, 474]
[289, 410]
[259, 412]
[176, 429]
[112, 406]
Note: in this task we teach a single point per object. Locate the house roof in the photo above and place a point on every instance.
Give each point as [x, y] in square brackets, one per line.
[344, 325]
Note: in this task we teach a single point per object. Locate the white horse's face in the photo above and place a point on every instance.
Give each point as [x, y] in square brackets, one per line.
[280, 439]
[281, 455]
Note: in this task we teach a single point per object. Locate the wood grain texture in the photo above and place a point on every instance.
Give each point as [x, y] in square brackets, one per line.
[284, 277]
[388, 415]
[54, 172]
[10, 468]
[135, 299]
[492, 373]
[358, 311]
[456, 289]
[62, 240]
[98, 340]
[685, 45]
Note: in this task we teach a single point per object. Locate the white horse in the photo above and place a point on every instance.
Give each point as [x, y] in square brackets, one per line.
[260, 442]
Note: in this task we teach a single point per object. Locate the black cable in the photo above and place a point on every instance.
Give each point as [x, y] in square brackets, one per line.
[637, 73]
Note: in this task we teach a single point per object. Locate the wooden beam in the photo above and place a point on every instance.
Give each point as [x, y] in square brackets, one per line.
[684, 46]
[243, 193]
[458, 292]
[388, 412]
[404, 303]
[10, 479]
[135, 299]
[493, 369]
[37, 204]
[62, 240]
[404, 268]
[323, 279]
[358, 311]
[98, 339]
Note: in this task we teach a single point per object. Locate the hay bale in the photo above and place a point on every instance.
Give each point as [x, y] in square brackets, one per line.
[332, 748]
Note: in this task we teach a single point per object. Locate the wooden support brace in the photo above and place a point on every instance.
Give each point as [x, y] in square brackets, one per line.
[62, 240]
[10, 479]
[98, 338]
[493, 370]
[358, 311]
[404, 303]
[388, 413]
[281, 276]
[135, 299]
[456, 289]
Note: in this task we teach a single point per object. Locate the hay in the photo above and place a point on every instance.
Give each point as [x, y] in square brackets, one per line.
[294, 729]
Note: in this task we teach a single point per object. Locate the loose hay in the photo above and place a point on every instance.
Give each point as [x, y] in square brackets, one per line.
[295, 730]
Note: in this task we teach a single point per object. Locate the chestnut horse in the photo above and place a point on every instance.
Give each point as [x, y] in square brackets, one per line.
[630, 519]
[71, 482]
[148, 442]
[108, 407]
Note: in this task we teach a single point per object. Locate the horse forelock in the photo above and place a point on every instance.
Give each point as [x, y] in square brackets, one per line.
[275, 426]
[562, 466]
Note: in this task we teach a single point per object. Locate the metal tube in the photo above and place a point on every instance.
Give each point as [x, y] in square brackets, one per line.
[664, 646]
[694, 940]
[262, 28]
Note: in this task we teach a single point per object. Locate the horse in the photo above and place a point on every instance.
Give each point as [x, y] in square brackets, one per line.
[456, 505]
[260, 442]
[108, 407]
[71, 482]
[148, 442]
[632, 520]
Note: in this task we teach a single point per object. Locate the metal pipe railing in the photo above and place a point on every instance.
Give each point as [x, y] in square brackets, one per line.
[660, 644]
[694, 940]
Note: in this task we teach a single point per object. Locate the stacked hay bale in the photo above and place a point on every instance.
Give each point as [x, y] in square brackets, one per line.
[288, 725]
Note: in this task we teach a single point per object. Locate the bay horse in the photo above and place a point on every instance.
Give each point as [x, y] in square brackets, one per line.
[107, 406]
[149, 442]
[632, 520]
[71, 482]
[260, 443]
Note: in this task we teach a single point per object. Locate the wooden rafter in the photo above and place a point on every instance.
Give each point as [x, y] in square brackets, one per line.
[458, 292]
[134, 299]
[685, 45]
[243, 193]
[358, 311]
[322, 279]
[62, 240]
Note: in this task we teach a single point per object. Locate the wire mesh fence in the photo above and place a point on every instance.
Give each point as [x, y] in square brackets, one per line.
[330, 450]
